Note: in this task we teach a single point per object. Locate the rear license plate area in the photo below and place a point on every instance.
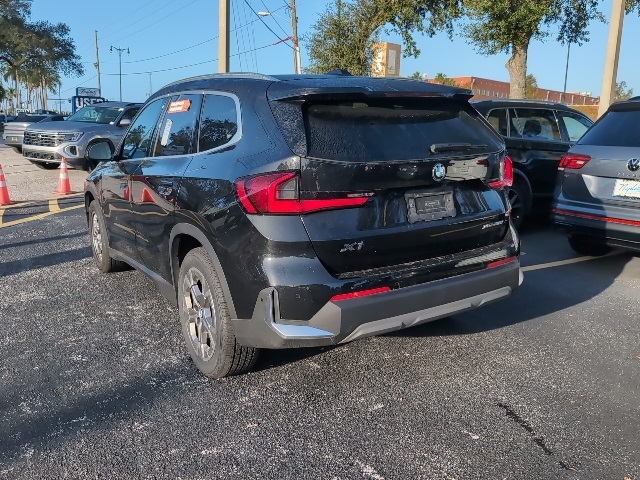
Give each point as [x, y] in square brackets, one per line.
[426, 207]
[627, 188]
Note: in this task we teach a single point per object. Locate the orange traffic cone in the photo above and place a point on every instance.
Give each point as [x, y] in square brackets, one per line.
[4, 191]
[64, 186]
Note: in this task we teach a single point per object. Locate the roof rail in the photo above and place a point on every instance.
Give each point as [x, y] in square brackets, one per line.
[255, 76]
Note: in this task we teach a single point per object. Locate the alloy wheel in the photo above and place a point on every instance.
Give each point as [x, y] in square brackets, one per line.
[96, 237]
[199, 313]
[517, 205]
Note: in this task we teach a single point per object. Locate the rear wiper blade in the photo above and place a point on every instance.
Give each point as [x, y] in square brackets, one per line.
[454, 147]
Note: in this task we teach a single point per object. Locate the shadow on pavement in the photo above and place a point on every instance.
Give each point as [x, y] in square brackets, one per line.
[47, 260]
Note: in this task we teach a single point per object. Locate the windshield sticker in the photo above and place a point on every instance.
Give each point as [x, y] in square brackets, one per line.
[165, 133]
[179, 106]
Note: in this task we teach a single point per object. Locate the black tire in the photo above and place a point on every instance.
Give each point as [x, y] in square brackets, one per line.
[205, 320]
[100, 242]
[18, 150]
[46, 165]
[587, 246]
[519, 196]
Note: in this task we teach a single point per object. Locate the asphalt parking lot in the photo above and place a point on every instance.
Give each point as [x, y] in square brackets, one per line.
[96, 383]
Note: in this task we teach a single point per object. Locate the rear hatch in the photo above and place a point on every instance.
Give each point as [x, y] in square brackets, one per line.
[604, 167]
[423, 164]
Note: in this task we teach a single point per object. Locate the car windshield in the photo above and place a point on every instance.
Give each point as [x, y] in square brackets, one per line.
[96, 114]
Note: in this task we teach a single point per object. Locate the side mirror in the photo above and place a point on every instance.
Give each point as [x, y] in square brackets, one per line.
[125, 122]
[99, 152]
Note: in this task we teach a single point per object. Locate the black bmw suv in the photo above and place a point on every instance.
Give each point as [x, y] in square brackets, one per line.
[295, 211]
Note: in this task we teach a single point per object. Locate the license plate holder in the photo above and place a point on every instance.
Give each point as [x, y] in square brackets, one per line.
[12, 139]
[626, 188]
[429, 206]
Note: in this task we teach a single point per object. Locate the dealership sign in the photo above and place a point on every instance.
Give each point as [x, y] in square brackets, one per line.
[78, 102]
[87, 92]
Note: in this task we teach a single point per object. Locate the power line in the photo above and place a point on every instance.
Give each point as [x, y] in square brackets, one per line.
[146, 17]
[268, 27]
[158, 21]
[274, 18]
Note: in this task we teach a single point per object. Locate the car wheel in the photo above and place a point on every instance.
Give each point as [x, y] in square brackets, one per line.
[99, 241]
[46, 165]
[586, 246]
[206, 324]
[18, 150]
[519, 197]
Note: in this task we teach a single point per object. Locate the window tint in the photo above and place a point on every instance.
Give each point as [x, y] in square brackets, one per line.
[137, 141]
[576, 125]
[176, 134]
[130, 113]
[498, 120]
[535, 124]
[391, 129]
[616, 129]
[219, 122]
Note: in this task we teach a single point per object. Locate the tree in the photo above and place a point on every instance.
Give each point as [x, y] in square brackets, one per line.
[530, 87]
[344, 35]
[442, 79]
[40, 51]
[508, 26]
[416, 75]
[622, 92]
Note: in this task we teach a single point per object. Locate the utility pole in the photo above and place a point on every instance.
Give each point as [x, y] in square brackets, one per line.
[566, 72]
[613, 53]
[223, 37]
[119, 50]
[97, 64]
[150, 86]
[296, 45]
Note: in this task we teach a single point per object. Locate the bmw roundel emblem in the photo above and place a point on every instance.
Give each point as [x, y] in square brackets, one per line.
[633, 164]
[439, 172]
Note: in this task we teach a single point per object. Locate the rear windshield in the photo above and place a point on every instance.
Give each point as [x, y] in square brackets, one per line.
[615, 129]
[392, 128]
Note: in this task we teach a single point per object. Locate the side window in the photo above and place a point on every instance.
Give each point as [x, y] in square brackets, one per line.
[534, 123]
[575, 125]
[177, 132]
[219, 122]
[130, 113]
[137, 141]
[498, 120]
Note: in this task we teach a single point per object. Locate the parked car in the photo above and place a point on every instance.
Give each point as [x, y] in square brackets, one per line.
[4, 118]
[298, 211]
[14, 130]
[597, 202]
[45, 144]
[537, 135]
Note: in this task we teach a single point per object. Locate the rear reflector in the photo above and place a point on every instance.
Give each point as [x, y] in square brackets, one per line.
[278, 193]
[361, 293]
[505, 170]
[621, 221]
[499, 263]
[573, 162]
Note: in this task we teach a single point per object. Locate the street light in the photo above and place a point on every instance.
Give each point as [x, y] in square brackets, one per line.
[294, 36]
[119, 50]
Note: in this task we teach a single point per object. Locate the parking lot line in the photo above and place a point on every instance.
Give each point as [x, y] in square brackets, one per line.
[37, 217]
[568, 261]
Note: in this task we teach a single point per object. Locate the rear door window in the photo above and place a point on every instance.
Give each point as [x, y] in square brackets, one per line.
[219, 122]
[176, 135]
[615, 129]
[574, 124]
[386, 129]
[534, 124]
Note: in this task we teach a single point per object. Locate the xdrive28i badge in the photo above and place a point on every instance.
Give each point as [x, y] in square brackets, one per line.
[439, 172]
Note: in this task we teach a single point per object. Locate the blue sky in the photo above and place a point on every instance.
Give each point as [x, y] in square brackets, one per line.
[158, 28]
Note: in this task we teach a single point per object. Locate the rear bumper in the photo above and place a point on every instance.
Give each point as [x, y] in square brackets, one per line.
[347, 320]
[600, 226]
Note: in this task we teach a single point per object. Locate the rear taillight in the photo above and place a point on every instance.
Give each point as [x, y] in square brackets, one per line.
[505, 171]
[278, 193]
[573, 162]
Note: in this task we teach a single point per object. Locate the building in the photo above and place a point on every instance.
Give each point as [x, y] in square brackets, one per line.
[484, 88]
